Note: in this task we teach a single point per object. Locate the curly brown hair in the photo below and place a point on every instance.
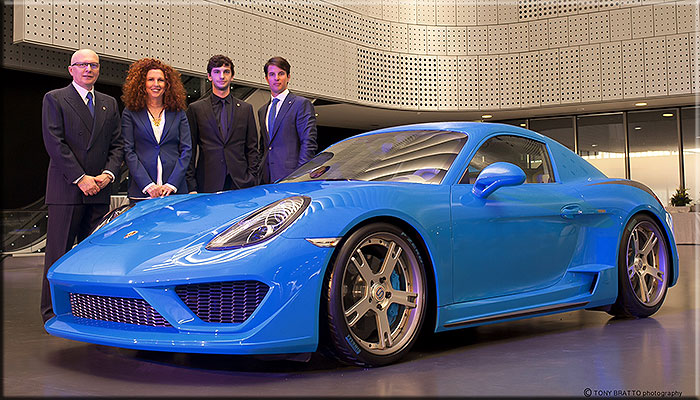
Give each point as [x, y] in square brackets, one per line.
[134, 89]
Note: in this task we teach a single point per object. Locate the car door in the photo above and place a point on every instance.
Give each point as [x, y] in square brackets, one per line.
[519, 238]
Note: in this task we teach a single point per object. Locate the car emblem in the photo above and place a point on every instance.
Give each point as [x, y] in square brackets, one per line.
[379, 293]
[130, 234]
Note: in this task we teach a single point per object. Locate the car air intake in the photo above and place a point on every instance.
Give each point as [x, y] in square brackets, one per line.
[115, 309]
[223, 302]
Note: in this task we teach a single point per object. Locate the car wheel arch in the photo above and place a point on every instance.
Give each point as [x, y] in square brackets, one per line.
[429, 324]
[673, 265]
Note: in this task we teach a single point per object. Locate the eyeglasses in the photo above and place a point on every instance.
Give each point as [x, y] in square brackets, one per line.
[85, 65]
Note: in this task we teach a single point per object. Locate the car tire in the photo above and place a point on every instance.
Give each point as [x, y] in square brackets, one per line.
[644, 266]
[375, 310]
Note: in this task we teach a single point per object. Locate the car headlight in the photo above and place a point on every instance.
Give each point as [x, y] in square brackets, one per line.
[261, 225]
[112, 215]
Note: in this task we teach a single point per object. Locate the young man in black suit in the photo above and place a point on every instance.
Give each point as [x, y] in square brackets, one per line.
[223, 130]
[82, 134]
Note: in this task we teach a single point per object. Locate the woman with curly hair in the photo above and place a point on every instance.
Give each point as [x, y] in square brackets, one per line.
[157, 143]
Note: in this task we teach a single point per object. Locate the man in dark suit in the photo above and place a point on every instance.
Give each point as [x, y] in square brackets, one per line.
[287, 125]
[223, 130]
[81, 130]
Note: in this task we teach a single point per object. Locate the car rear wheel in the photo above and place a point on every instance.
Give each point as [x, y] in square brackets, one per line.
[376, 296]
[643, 267]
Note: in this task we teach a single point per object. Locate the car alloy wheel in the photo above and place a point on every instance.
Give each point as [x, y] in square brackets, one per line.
[376, 296]
[644, 266]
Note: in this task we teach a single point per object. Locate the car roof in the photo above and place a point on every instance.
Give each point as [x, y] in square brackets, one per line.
[476, 130]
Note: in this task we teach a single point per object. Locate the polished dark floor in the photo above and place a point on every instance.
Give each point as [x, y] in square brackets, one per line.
[560, 355]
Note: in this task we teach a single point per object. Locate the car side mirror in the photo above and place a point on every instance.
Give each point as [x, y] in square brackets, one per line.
[497, 175]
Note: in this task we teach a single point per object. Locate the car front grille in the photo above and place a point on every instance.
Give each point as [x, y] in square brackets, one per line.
[223, 302]
[115, 309]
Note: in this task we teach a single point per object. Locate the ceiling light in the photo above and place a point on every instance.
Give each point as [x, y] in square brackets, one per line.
[594, 145]
[667, 115]
[523, 125]
[486, 116]
[637, 128]
[642, 104]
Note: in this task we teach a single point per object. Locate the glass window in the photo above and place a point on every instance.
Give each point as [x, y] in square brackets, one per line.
[559, 129]
[527, 154]
[404, 156]
[601, 141]
[653, 144]
[690, 127]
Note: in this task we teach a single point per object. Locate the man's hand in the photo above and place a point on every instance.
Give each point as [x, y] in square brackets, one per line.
[193, 192]
[103, 180]
[88, 185]
[167, 190]
[155, 191]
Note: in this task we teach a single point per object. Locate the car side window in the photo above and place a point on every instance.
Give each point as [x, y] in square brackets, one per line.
[528, 154]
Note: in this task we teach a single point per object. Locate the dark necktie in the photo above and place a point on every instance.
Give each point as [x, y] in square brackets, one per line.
[271, 117]
[91, 106]
[223, 119]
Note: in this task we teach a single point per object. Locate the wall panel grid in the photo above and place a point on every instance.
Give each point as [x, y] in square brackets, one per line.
[611, 71]
[620, 24]
[428, 83]
[550, 77]
[66, 26]
[530, 82]
[570, 78]
[139, 24]
[590, 73]
[678, 64]
[509, 81]
[468, 76]
[655, 73]
[599, 27]
[518, 38]
[633, 68]
[436, 38]
[558, 30]
[498, 39]
[456, 41]
[92, 21]
[489, 91]
[448, 87]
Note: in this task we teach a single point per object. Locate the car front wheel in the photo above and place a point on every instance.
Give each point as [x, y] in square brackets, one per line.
[376, 296]
[643, 268]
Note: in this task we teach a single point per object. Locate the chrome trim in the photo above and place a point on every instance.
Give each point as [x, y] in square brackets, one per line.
[531, 311]
[324, 242]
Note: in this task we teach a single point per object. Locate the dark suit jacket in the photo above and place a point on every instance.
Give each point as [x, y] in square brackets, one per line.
[293, 140]
[79, 144]
[141, 150]
[236, 156]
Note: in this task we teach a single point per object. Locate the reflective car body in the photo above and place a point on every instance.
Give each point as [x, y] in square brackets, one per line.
[149, 279]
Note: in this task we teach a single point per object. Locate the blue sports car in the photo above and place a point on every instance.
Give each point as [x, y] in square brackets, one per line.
[383, 235]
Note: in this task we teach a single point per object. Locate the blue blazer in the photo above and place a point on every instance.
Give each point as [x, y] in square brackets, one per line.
[141, 150]
[293, 138]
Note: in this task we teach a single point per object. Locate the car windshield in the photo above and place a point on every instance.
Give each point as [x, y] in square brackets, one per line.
[419, 156]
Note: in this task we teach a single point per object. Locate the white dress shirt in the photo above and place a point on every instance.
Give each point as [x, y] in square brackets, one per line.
[281, 97]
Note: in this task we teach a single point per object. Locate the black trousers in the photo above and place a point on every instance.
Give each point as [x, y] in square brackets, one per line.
[67, 222]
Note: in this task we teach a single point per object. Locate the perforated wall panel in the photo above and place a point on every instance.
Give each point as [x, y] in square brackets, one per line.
[427, 82]
[456, 41]
[466, 13]
[498, 39]
[611, 71]
[139, 23]
[678, 64]
[425, 12]
[390, 10]
[477, 40]
[642, 25]
[92, 25]
[199, 24]
[116, 29]
[507, 11]
[633, 68]
[695, 62]
[180, 35]
[160, 33]
[254, 55]
[539, 37]
[664, 19]
[570, 75]
[489, 93]
[410, 89]
[590, 73]
[66, 26]
[620, 24]
[549, 75]
[558, 29]
[688, 16]
[486, 12]
[599, 27]
[655, 75]
[436, 37]
[509, 81]
[446, 12]
[530, 79]
[416, 39]
[578, 29]
[518, 37]
[407, 11]
[36, 20]
[448, 83]
[468, 82]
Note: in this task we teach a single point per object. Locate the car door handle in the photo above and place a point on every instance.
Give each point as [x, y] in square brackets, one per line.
[569, 211]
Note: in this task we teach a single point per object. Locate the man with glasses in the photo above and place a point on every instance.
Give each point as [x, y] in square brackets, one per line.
[82, 134]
